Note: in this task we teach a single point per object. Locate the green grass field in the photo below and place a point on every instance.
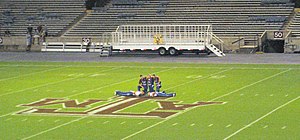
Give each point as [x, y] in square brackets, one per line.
[258, 101]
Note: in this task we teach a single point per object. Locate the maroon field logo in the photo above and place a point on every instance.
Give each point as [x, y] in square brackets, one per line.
[55, 106]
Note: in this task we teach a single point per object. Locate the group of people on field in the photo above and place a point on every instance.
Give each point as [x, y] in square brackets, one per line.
[148, 85]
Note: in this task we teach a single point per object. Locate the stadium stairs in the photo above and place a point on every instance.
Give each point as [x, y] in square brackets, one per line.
[294, 23]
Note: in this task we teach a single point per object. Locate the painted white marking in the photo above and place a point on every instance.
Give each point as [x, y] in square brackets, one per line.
[194, 76]
[109, 106]
[94, 75]
[71, 75]
[123, 122]
[33, 73]
[129, 136]
[105, 122]
[192, 124]
[80, 74]
[262, 117]
[40, 120]
[89, 122]
[174, 124]
[6, 115]
[228, 125]
[217, 77]
[74, 91]
[266, 126]
[284, 127]
[140, 122]
[8, 119]
[286, 95]
[210, 125]
[30, 111]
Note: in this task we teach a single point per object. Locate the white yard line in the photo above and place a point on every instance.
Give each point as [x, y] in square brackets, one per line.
[13, 92]
[5, 115]
[23, 75]
[151, 126]
[262, 117]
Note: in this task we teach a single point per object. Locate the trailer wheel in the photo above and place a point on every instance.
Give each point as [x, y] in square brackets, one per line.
[162, 51]
[173, 52]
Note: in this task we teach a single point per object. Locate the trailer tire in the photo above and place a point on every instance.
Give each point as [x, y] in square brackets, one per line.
[173, 52]
[162, 51]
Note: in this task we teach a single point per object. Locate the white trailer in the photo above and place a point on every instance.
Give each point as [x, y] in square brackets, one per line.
[166, 39]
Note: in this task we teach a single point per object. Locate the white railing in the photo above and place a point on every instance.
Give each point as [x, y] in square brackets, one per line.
[219, 40]
[71, 47]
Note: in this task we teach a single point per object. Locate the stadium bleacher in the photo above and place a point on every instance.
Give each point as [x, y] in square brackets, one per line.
[70, 19]
[228, 17]
[58, 15]
[295, 24]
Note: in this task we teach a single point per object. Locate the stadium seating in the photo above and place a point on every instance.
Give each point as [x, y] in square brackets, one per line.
[16, 15]
[295, 25]
[228, 17]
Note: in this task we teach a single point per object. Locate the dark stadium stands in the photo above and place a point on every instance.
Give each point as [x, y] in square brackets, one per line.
[295, 25]
[16, 15]
[68, 17]
[228, 17]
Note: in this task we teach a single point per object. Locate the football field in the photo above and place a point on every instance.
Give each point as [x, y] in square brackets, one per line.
[75, 100]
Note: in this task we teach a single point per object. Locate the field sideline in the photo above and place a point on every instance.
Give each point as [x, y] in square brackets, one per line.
[227, 101]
